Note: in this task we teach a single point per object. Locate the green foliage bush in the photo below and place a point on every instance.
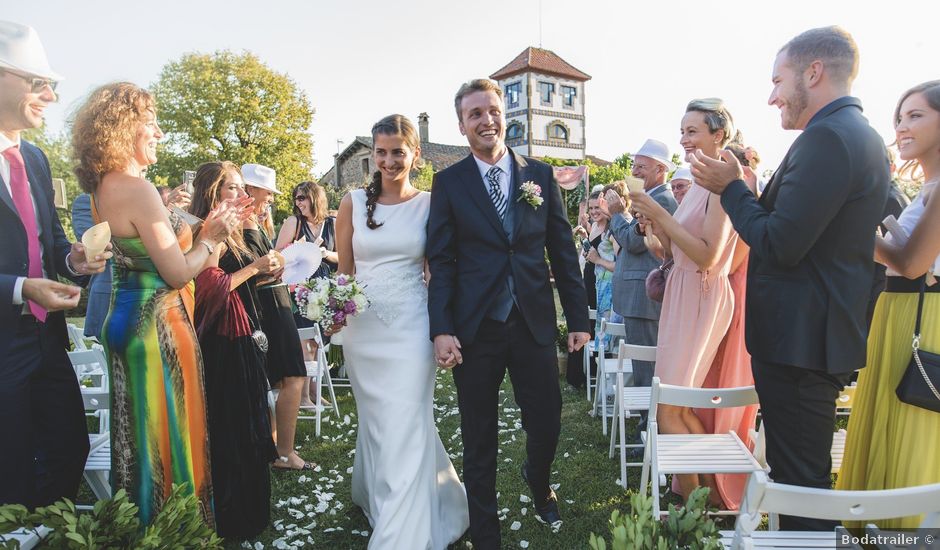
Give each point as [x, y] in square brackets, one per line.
[688, 527]
[561, 337]
[113, 523]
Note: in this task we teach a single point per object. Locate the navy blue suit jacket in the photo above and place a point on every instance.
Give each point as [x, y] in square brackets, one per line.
[470, 254]
[812, 239]
[15, 256]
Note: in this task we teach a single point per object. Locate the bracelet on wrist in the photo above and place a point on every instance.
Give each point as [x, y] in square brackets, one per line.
[209, 246]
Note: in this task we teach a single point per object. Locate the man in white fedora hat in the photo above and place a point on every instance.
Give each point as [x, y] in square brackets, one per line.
[680, 182]
[44, 432]
[634, 262]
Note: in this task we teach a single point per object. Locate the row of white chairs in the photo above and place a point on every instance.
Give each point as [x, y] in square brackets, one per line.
[727, 453]
[762, 496]
[90, 365]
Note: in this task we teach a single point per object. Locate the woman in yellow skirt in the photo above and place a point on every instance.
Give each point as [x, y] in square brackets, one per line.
[891, 444]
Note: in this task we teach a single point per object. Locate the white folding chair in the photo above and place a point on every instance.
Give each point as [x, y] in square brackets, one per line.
[607, 367]
[628, 401]
[98, 465]
[694, 453]
[27, 539]
[78, 338]
[843, 407]
[589, 352]
[91, 368]
[319, 371]
[762, 495]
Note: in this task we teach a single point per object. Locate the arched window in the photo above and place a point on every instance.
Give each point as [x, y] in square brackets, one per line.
[514, 131]
[557, 131]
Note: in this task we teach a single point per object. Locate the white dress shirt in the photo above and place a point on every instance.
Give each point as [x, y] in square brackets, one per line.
[505, 164]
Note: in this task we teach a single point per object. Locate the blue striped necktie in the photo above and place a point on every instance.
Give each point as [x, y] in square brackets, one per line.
[496, 193]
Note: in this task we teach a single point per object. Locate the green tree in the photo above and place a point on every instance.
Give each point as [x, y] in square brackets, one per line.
[229, 106]
[423, 177]
[58, 150]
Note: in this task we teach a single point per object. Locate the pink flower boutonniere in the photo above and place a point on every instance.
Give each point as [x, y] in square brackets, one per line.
[531, 193]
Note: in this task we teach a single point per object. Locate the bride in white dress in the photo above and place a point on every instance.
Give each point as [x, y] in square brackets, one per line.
[402, 477]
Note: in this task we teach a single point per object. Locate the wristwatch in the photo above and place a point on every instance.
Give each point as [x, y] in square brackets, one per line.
[210, 247]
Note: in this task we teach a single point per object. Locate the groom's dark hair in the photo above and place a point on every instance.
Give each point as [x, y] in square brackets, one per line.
[475, 85]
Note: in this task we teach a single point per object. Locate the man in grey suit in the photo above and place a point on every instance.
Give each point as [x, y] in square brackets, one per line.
[634, 261]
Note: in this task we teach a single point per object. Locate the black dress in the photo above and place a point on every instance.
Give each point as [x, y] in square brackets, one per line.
[285, 356]
[326, 268]
[574, 374]
[240, 443]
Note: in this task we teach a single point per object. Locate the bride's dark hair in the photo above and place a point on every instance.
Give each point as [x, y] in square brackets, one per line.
[392, 125]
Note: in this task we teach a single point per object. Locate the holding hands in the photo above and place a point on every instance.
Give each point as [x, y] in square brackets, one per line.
[447, 351]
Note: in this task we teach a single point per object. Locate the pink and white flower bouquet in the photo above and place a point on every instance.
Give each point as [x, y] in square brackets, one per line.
[331, 301]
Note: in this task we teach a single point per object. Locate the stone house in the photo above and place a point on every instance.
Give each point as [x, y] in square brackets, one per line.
[356, 166]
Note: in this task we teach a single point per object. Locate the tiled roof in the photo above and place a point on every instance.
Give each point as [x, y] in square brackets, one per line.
[543, 61]
[440, 155]
[597, 161]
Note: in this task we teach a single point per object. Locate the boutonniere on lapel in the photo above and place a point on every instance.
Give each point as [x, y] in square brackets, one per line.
[531, 193]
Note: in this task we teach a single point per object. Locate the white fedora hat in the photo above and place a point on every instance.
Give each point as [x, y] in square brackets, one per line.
[259, 175]
[682, 173]
[21, 51]
[657, 151]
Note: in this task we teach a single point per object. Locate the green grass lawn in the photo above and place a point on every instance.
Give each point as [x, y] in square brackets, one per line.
[316, 509]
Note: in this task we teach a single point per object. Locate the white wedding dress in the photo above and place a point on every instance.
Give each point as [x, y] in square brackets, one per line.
[402, 477]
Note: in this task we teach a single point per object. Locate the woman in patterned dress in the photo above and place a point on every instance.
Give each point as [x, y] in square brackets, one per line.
[158, 411]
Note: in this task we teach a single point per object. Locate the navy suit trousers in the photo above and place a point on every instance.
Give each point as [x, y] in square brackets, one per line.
[43, 431]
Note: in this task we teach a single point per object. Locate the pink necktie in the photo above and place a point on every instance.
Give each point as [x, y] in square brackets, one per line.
[19, 187]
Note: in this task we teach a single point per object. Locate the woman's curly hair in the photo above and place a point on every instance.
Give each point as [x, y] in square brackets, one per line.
[104, 131]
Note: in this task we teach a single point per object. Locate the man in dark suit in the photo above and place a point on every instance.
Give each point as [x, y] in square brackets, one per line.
[634, 261]
[43, 429]
[812, 238]
[493, 216]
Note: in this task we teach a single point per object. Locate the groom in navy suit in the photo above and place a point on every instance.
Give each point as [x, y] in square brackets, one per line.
[493, 216]
[43, 423]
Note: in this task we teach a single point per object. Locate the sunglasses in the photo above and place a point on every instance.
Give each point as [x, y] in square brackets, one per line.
[36, 84]
[300, 198]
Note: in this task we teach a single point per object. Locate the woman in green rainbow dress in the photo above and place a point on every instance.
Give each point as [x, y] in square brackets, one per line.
[158, 411]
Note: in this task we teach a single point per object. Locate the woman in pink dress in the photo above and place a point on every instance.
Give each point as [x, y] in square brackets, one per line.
[732, 365]
[698, 305]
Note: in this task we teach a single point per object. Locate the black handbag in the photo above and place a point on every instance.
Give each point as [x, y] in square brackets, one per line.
[919, 384]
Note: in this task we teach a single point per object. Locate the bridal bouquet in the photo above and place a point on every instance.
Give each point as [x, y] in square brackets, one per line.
[331, 301]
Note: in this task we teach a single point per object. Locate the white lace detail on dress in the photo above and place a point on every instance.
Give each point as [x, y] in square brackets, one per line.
[389, 291]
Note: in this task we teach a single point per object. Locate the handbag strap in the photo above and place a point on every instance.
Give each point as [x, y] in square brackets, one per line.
[915, 344]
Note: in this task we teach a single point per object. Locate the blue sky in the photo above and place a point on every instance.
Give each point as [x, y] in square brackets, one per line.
[359, 61]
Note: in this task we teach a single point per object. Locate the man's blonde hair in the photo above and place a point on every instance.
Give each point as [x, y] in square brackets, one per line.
[475, 85]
